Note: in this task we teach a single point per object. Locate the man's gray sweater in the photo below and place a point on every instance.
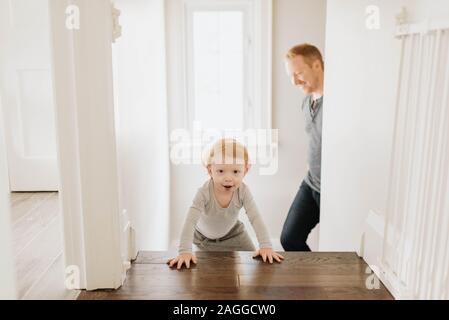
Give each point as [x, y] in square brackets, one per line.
[314, 123]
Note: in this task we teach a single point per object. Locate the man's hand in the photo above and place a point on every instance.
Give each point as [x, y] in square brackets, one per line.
[183, 258]
[268, 254]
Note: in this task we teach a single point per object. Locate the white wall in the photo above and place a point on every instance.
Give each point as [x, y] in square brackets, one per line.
[140, 98]
[7, 272]
[360, 87]
[295, 21]
[420, 10]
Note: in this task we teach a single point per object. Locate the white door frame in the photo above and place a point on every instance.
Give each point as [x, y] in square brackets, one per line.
[82, 76]
[7, 274]
[27, 98]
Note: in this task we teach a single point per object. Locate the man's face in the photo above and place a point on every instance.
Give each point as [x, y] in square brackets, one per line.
[303, 75]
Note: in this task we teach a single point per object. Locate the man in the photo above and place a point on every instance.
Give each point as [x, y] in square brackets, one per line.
[306, 67]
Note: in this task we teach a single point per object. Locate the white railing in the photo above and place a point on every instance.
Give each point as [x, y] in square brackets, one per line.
[416, 235]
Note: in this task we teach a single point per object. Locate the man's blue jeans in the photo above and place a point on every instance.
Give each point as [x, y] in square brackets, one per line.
[303, 216]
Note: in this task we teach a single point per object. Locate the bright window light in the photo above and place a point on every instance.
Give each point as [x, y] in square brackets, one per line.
[218, 69]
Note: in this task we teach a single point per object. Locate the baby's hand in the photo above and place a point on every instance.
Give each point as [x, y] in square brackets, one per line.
[268, 253]
[181, 259]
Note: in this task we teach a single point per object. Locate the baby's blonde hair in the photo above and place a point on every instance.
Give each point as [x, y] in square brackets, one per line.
[224, 149]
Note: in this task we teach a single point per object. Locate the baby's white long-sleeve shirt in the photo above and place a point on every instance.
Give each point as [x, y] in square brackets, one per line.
[214, 222]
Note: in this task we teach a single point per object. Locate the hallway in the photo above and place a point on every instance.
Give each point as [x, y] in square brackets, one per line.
[37, 243]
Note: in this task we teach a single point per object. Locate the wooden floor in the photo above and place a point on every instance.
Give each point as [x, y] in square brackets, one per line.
[37, 240]
[235, 275]
[37, 244]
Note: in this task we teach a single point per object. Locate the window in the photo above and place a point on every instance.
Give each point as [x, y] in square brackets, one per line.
[218, 67]
[228, 63]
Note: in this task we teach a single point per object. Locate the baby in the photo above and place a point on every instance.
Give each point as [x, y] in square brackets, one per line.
[212, 222]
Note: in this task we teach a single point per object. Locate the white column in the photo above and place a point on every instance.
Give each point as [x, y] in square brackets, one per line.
[82, 74]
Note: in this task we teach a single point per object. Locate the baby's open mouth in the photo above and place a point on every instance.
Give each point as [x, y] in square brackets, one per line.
[228, 187]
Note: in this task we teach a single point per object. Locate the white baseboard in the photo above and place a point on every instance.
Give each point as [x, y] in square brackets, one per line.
[371, 250]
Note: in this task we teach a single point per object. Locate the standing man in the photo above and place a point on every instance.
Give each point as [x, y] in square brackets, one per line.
[306, 67]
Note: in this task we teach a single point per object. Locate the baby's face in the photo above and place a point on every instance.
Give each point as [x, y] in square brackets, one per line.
[227, 177]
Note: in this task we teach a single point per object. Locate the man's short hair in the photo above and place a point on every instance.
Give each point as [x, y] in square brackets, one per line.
[309, 52]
